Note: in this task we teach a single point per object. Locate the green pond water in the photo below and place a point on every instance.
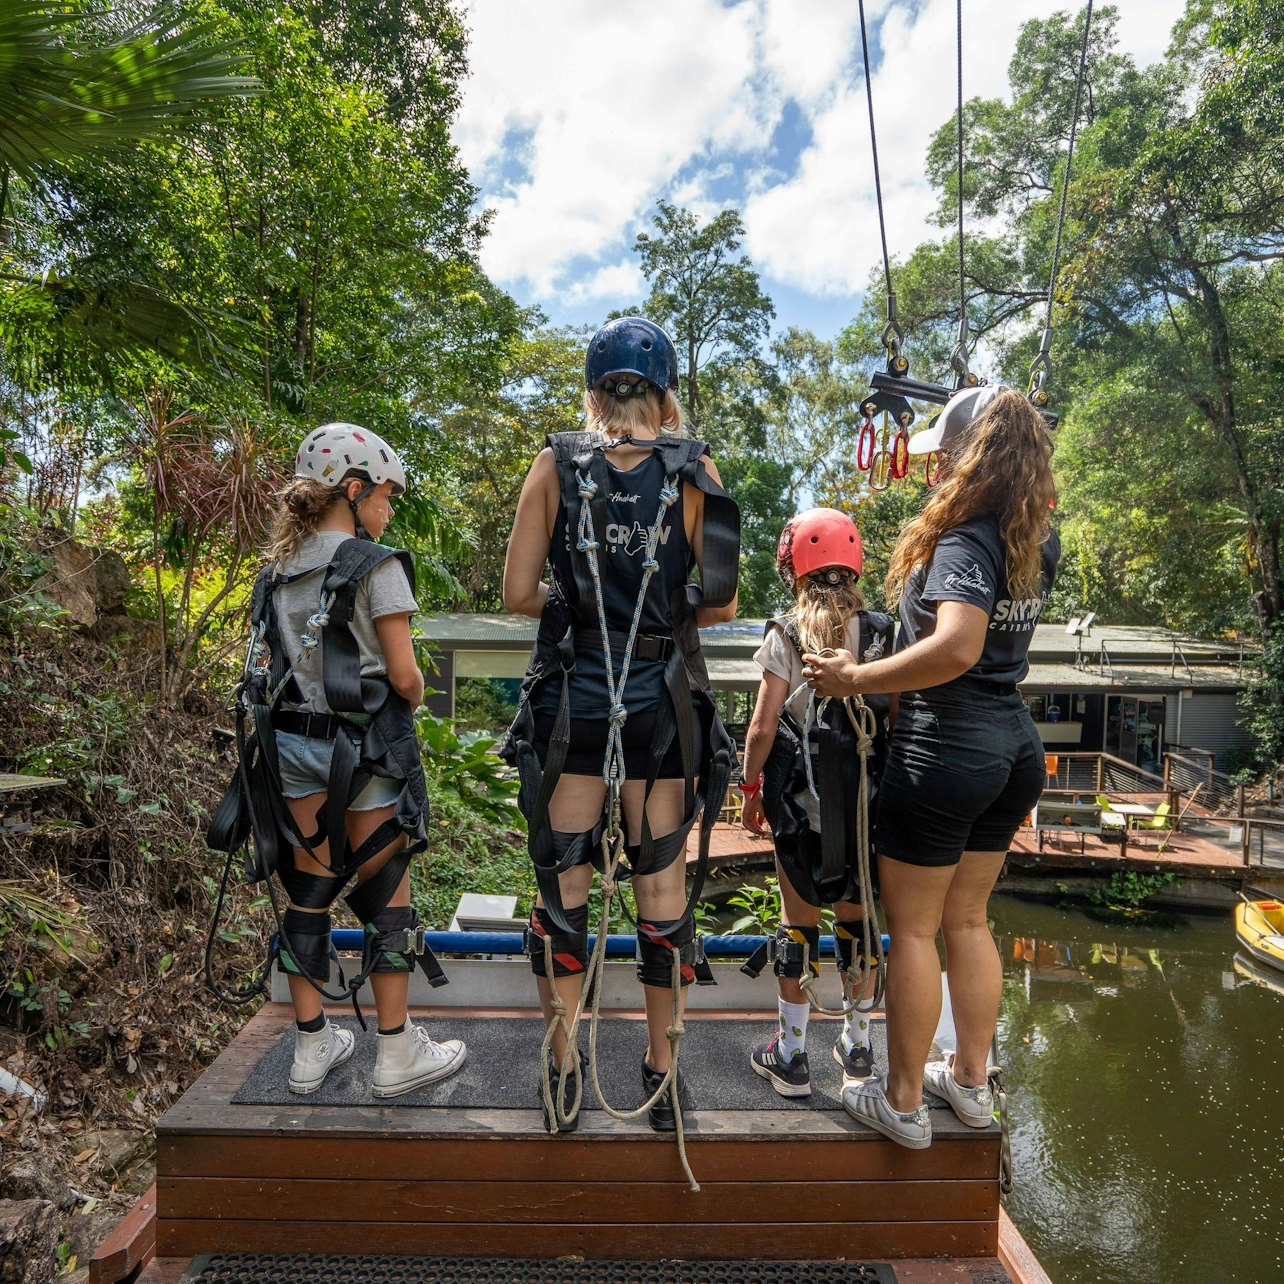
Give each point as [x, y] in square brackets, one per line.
[1146, 1092]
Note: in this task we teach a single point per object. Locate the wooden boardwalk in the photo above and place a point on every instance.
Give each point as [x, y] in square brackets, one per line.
[789, 1185]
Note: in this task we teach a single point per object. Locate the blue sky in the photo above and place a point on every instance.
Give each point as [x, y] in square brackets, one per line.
[579, 114]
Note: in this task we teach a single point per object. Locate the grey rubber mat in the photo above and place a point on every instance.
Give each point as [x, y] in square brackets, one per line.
[502, 1069]
[251, 1268]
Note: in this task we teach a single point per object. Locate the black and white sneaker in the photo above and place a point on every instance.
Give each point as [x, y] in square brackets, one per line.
[856, 1064]
[790, 1077]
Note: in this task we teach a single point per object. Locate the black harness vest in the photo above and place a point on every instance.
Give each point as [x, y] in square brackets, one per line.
[828, 875]
[571, 612]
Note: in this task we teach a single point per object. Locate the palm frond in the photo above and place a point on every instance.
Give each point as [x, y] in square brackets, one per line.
[67, 90]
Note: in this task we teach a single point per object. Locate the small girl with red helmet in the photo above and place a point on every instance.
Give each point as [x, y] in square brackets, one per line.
[812, 806]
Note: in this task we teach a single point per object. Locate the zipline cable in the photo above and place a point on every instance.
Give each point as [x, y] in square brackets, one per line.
[1041, 366]
[958, 358]
[892, 335]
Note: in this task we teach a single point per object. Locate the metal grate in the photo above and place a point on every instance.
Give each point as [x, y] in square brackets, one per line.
[343, 1268]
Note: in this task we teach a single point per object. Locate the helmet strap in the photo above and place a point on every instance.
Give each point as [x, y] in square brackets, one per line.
[361, 496]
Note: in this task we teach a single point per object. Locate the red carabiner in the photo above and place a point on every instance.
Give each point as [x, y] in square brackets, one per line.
[865, 446]
[900, 454]
[932, 468]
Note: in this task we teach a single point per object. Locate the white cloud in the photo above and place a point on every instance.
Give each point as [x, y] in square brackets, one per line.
[623, 280]
[611, 112]
[819, 229]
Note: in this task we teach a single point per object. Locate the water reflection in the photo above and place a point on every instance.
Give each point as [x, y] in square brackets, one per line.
[1147, 1098]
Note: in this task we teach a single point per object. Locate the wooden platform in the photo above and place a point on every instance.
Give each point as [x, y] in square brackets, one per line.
[805, 1185]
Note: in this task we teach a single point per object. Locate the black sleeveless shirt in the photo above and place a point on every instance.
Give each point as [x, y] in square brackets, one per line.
[631, 508]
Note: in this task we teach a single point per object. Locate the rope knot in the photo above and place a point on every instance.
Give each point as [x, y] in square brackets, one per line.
[586, 545]
[587, 488]
[618, 715]
[650, 565]
[676, 1031]
[668, 494]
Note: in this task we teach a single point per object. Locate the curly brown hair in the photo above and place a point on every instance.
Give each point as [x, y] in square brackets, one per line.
[1001, 466]
[301, 507]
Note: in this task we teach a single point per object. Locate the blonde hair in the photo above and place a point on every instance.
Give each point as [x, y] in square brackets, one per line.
[301, 508]
[822, 614]
[656, 410]
[1001, 466]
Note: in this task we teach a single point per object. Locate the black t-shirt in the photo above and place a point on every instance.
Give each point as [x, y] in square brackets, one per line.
[969, 565]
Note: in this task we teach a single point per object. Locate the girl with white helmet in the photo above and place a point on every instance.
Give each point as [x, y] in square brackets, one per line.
[802, 774]
[332, 610]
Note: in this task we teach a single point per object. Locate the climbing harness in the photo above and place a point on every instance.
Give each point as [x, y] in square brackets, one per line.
[566, 621]
[373, 732]
[840, 833]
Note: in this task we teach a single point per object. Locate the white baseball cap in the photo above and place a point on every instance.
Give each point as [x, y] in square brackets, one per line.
[962, 409]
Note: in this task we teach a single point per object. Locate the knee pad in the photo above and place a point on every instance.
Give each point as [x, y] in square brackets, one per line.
[304, 946]
[847, 937]
[791, 945]
[655, 954]
[569, 949]
[390, 939]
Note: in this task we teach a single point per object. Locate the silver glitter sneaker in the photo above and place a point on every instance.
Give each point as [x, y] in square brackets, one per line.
[974, 1106]
[867, 1102]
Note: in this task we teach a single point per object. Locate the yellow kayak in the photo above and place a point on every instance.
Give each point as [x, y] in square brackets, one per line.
[1259, 925]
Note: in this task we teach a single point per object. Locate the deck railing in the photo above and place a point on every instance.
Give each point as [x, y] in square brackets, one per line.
[1217, 791]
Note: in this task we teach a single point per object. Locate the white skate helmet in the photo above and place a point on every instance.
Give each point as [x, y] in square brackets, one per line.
[330, 453]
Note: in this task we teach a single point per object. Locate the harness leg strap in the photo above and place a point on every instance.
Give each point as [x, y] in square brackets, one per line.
[389, 943]
[570, 949]
[304, 949]
[848, 936]
[796, 948]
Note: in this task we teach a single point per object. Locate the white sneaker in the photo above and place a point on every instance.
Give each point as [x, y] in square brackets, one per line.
[411, 1059]
[974, 1106]
[867, 1102]
[316, 1053]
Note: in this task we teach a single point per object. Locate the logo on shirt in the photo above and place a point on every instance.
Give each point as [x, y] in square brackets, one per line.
[1018, 616]
[969, 579]
[621, 498]
[631, 539]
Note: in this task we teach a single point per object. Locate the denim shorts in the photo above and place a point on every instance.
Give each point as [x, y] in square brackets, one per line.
[964, 769]
[305, 770]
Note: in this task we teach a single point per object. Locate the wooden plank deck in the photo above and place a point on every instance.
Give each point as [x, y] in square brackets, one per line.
[436, 1180]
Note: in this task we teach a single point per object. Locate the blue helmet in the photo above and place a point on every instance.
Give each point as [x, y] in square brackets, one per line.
[632, 345]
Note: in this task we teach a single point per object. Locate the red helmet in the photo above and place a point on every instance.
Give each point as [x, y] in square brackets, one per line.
[817, 538]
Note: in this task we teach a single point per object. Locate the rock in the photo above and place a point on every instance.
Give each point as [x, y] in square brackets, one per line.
[128, 635]
[116, 1147]
[85, 1231]
[111, 581]
[86, 582]
[28, 1241]
[29, 1179]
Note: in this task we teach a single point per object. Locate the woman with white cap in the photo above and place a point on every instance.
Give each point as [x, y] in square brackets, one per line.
[971, 575]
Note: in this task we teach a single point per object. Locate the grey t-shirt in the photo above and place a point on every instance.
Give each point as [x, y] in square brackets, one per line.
[382, 591]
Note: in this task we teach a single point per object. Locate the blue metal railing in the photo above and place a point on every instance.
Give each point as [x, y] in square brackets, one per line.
[617, 946]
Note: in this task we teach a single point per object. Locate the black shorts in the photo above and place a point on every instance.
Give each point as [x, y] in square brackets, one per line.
[964, 770]
[588, 745]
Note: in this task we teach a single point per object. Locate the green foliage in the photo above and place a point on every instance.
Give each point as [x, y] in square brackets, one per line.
[704, 292]
[481, 703]
[467, 853]
[461, 763]
[1263, 699]
[761, 906]
[1128, 890]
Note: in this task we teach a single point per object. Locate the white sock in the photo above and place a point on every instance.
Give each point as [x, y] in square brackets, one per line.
[793, 1028]
[856, 1031]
